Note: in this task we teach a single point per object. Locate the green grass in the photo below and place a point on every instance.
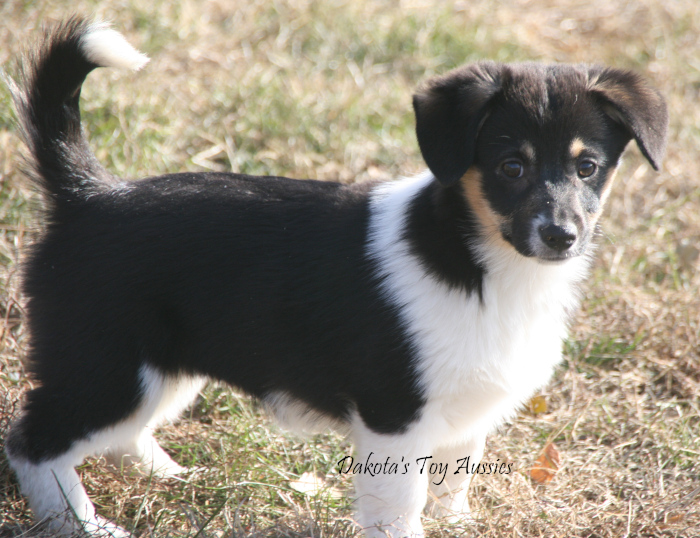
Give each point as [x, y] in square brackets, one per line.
[323, 90]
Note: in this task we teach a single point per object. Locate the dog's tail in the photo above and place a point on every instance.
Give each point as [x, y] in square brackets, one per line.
[46, 96]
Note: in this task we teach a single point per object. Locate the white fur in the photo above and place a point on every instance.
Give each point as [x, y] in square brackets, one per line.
[164, 398]
[298, 417]
[57, 497]
[478, 360]
[390, 505]
[53, 487]
[108, 48]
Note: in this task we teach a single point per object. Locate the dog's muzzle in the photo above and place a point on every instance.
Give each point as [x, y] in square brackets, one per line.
[558, 238]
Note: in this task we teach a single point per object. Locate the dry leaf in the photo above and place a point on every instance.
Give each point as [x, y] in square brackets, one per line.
[538, 405]
[546, 465]
[675, 519]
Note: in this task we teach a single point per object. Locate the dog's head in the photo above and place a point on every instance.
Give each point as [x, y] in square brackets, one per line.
[535, 147]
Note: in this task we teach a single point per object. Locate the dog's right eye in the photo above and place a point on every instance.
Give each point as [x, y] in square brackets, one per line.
[512, 169]
[586, 169]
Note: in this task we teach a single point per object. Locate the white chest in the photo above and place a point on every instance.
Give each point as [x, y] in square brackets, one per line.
[478, 358]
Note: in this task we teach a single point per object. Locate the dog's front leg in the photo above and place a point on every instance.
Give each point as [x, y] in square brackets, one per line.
[449, 491]
[390, 487]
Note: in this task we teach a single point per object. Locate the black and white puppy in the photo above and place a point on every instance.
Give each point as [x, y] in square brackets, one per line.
[418, 313]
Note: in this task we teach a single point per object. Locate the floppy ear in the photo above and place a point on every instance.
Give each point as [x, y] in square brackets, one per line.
[449, 112]
[629, 100]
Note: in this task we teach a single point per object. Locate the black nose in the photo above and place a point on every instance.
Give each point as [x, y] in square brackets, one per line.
[559, 238]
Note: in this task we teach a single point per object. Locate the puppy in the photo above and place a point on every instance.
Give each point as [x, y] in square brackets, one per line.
[417, 314]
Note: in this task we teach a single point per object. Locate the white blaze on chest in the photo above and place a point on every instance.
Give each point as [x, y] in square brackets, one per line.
[477, 360]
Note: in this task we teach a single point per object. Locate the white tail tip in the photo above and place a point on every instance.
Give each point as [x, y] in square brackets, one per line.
[108, 48]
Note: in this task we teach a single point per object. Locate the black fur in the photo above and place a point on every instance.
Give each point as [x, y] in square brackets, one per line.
[46, 97]
[478, 117]
[439, 220]
[271, 284]
[201, 270]
[195, 272]
[451, 109]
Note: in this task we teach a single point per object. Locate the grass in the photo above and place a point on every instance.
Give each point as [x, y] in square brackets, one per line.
[322, 90]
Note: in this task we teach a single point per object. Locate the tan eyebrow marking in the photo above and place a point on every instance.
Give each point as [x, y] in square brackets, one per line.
[576, 147]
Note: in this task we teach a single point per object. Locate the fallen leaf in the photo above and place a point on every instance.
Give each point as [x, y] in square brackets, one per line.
[537, 405]
[675, 519]
[546, 465]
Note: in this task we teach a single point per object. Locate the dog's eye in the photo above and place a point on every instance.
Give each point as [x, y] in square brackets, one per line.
[512, 169]
[586, 168]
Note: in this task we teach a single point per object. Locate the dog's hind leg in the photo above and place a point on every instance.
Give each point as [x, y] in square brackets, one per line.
[60, 426]
[43, 448]
[57, 497]
[145, 454]
[164, 398]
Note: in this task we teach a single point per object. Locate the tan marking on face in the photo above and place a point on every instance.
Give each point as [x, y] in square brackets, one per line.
[528, 150]
[488, 219]
[608, 186]
[576, 147]
[605, 193]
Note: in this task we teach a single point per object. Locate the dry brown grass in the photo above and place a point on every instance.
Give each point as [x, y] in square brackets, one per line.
[311, 89]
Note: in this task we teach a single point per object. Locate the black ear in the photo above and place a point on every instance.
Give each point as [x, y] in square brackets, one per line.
[449, 112]
[630, 100]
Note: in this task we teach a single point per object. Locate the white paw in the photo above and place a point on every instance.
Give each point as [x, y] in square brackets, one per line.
[67, 526]
[163, 469]
[103, 528]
